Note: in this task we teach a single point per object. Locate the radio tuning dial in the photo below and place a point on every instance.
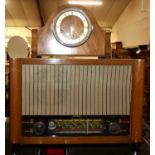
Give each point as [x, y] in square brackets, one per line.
[51, 125]
[114, 128]
[39, 128]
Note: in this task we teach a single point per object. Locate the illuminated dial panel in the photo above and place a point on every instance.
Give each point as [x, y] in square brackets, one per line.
[71, 27]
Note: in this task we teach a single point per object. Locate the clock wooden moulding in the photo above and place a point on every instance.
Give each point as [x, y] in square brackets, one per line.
[48, 44]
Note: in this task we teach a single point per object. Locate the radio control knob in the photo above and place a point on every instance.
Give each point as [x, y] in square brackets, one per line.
[52, 125]
[114, 128]
[39, 128]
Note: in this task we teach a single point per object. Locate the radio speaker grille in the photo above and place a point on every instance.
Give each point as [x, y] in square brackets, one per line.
[76, 89]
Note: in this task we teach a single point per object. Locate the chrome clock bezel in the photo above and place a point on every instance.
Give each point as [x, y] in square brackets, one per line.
[74, 12]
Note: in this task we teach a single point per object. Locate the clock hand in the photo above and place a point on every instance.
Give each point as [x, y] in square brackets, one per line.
[71, 30]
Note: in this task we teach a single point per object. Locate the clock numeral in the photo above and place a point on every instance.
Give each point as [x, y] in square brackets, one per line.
[61, 30]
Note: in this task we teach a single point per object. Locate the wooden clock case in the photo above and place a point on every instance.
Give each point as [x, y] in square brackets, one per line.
[94, 46]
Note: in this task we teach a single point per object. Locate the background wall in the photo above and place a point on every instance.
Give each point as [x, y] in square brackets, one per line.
[133, 26]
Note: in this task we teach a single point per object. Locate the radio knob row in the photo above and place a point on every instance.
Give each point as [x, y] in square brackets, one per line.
[39, 128]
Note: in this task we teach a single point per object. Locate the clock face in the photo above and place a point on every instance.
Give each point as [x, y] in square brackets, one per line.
[71, 27]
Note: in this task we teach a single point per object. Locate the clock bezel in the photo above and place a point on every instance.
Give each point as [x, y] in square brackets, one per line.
[71, 44]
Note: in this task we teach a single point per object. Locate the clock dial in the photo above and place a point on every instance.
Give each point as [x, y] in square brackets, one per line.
[72, 27]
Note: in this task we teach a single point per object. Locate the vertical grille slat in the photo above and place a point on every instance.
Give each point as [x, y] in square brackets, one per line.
[104, 95]
[56, 92]
[68, 91]
[64, 89]
[43, 90]
[120, 94]
[48, 90]
[84, 88]
[100, 99]
[112, 90]
[60, 90]
[27, 84]
[23, 91]
[88, 95]
[35, 89]
[92, 91]
[108, 89]
[52, 89]
[81, 75]
[129, 88]
[72, 92]
[76, 89]
[124, 88]
[116, 90]
[31, 90]
[97, 79]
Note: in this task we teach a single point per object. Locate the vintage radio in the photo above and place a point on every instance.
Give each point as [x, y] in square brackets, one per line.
[80, 101]
[75, 101]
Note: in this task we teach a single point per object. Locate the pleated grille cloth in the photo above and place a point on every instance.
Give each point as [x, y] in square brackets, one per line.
[76, 89]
